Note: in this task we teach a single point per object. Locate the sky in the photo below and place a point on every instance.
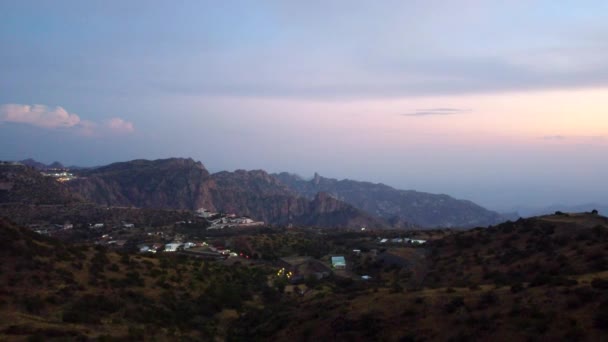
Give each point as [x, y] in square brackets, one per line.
[504, 103]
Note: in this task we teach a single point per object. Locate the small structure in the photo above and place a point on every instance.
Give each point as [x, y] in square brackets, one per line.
[203, 253]
[172, 247]
[128, 225]
[338, 262]
[189, 245]
[98, 225]
[301, 268]
[204, 213]
[417, 242]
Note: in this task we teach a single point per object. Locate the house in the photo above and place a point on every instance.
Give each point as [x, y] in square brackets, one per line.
[172, 247]
[156, 246]
[117, 243]
[300, 268]
[338, 262]
[189, 245]
[204, 213]
[384, 241]
[203, 253]
[128, 225]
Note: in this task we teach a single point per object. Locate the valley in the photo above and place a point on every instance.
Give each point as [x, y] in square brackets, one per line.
[80, 269]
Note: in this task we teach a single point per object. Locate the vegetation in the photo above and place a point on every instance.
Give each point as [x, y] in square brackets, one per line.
[544, 278]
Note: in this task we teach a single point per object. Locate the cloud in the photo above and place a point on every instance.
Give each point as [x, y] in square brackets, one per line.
[59, 118]
[38, 115]
[119, 125]
[437, 111]
[554, 137]
[575, 138]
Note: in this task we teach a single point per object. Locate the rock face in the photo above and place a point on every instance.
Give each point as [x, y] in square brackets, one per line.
[169, 183]
[419, 208]
[185, 184]
[21, 184]
[179, 183]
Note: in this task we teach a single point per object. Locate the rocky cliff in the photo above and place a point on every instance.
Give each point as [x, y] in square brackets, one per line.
[185, 184]
[174, 183]
[419, 208]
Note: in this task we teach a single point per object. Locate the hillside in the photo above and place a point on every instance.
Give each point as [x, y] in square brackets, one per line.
[418, 208]
[541, 250]
[185, 184]
[54, 291]
[544, 278]
[25, 185]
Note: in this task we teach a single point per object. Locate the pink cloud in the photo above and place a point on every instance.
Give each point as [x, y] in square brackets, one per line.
[38, 115]
[59, 118]
[119, 125]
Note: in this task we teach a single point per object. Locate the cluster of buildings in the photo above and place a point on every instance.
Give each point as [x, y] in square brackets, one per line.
[59, 175]
[50, 229]
[221, 221]
[402, 240]
[168, 247]
[123, 224]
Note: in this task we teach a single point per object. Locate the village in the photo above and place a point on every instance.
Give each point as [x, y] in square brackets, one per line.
[298, 256]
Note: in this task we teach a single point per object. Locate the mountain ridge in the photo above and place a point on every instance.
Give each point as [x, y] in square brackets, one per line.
[182, 183]
[283, 198]
[419, 208]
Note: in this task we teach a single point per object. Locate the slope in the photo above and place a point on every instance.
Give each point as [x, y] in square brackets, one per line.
[419, 208]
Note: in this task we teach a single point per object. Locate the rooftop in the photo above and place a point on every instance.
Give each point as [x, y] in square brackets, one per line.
[338, 261]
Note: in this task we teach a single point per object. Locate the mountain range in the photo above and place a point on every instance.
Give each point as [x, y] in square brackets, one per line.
[418, 208]
[281, 199]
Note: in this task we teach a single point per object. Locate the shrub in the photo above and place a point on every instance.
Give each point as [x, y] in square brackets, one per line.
[601, 284]
[454, 305]
[488, 299]
[33, 304]
[600, 319]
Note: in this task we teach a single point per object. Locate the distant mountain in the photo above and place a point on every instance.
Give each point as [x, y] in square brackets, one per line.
[170, 183]
[419, 208]
[178, 183]
[26, 185]
[41, 166]
[537, 211]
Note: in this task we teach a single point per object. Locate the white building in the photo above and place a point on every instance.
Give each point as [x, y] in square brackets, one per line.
[172, 247]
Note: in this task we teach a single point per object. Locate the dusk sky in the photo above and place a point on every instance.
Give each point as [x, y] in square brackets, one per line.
[504, 103]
